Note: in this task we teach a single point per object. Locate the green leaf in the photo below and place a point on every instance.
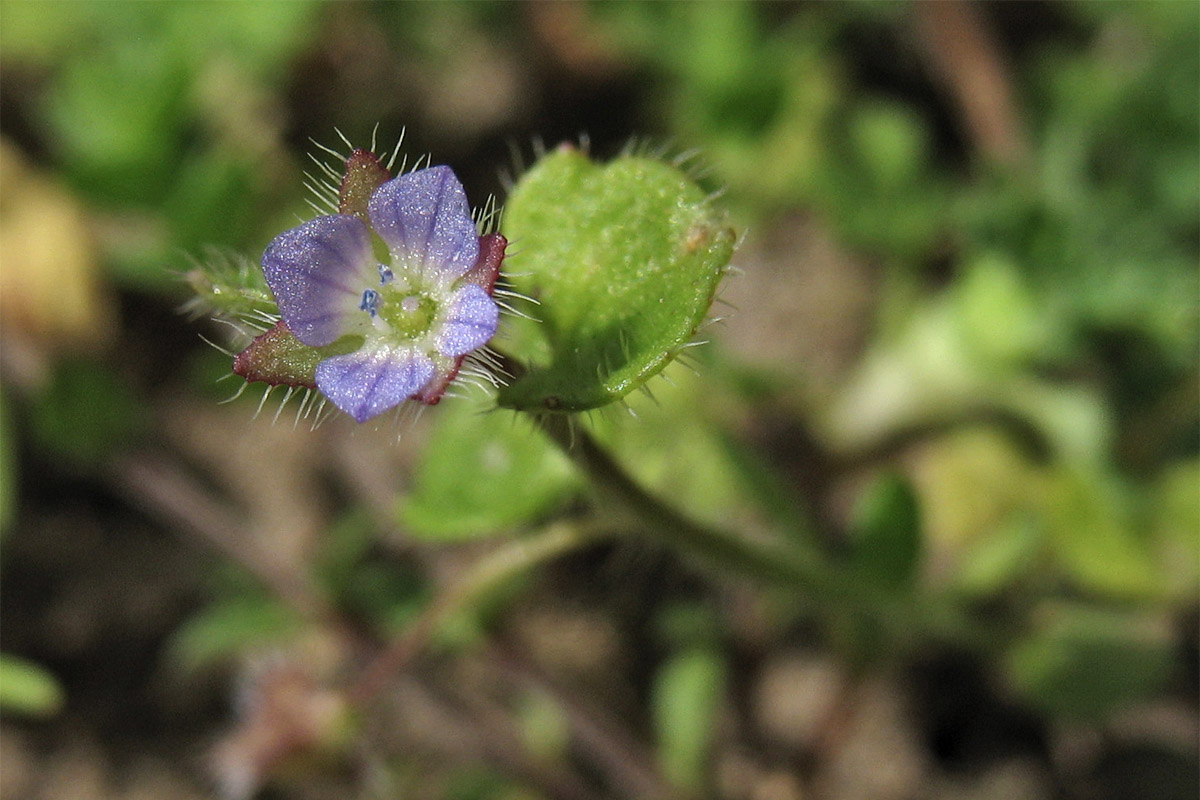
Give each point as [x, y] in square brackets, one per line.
[212, 199]
[1084, 663]
[890, 141]
[28, 689]
[887, 531]
[1000, 321]
[625, 260]
[86, 413]
[385, 592]
[1177, 523]
[229, 627]
[1093, 537]
[1001, 557]
[483, 473]
[687, 699]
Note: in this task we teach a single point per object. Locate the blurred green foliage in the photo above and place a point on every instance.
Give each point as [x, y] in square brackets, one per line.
[27, 689]
[482, 472]
[162, 109]
[1031, 355]
[887, 532]
[86, 414]
[1082, 662]
[687, 696]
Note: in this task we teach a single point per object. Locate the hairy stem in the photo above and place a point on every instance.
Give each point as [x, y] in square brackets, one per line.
[774, 562]
[808, 574]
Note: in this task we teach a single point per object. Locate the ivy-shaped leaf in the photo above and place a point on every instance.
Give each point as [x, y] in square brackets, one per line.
[624, 259]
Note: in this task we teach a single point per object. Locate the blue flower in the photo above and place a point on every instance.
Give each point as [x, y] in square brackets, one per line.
[420, 310]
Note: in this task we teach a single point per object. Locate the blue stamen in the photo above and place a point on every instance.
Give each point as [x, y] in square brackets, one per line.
[370, 301]
[385, 275]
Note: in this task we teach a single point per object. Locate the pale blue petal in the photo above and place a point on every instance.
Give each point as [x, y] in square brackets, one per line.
[424, 219]
[470, 321]
[368, 382]
[316, 272]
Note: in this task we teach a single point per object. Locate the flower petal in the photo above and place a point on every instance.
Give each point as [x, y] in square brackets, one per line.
[369, 381]
[470, 321]
[317, 273]
[424, 218]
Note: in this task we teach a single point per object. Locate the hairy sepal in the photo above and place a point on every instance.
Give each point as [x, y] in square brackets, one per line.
[278, 358]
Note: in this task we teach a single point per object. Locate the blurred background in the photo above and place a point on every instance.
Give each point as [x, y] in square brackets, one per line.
[962, 353]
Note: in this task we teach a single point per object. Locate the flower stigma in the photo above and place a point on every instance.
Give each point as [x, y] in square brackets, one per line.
[408, 316]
